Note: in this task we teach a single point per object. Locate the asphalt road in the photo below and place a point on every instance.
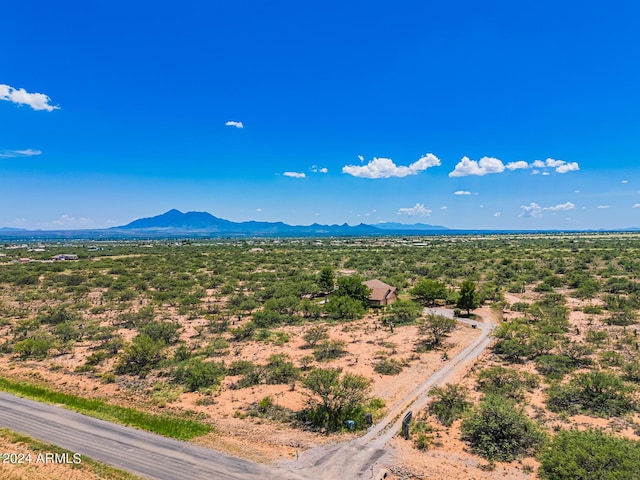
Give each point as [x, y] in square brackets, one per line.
[159, 458]
[141, 453]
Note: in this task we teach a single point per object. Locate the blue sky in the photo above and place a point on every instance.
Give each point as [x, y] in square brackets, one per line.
[492, 115]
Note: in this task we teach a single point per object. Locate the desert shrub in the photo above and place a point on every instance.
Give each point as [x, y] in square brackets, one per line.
[589, 455]
[315, 334]
[166, 332]
[506, 382]
[497, 430]
[34, 347]
[596, 393]
[140, 356]
[329, 350]
[280, 369]
[196, 374]
[388, 366]
[448, 403]
[554, 366]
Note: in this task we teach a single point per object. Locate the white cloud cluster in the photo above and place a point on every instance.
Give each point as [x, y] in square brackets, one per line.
[462, 192]
[37, 101]
[231, 123]
[418, 210]
[315, 169]
[294, 174]
[493, 165]
[385, 168]
[534, 210]
[486, 165]
[69, 221]
[19, 153]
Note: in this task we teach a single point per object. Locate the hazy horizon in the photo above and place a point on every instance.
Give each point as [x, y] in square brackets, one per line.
[492, 116]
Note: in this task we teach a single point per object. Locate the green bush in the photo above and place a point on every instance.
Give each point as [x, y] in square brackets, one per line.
[596, 393]
[195, 374]
[448, 403]
[589, 455]
[388, 366]
[35, 347]
[497, 430]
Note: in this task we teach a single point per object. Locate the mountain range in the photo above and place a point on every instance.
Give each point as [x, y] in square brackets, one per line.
[175, 223]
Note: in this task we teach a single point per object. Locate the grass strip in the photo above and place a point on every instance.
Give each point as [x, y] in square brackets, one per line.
[169, 426]
[101, 470]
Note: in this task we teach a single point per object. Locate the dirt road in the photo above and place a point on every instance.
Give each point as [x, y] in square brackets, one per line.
[361, 458]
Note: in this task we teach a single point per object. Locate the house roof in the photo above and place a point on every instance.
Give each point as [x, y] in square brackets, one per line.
[379, 290]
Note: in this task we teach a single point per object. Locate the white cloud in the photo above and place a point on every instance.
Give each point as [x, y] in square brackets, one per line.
[534, 210]
[603, 206]
[418, 210]
[535, 172]
[231, 123]
[637, 205]
[462, 192]
[19, 153]
[444, 207]
[385, 168]
[519, 165]
[576, 191]
[544, 174]
[497, 214]
[471, 167]
[37, 101]
[258, 209]
[361, 158]
[625, 181]
[554, 163]
[568, 167]
[294, 174]
[315, 169]
[538, 164]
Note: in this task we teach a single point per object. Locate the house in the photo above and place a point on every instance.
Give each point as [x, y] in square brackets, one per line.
[65, 256]
[381, 293]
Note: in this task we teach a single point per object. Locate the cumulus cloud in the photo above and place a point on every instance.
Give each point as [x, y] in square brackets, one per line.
[315, 169]
[486, 165]
[519, 165]
[637, 205]
[19, 153]
[231, 123]
[294, 174]
[385, 168]
[19, 96]
[462, 192]
[560, 166]
[534, 210]
[568, 167]
[418, 210]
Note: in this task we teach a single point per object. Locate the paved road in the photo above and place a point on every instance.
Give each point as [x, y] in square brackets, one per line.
[142, 453]
[155, 457]
[357, 459]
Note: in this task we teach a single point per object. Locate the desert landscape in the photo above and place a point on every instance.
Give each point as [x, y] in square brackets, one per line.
[229, 335]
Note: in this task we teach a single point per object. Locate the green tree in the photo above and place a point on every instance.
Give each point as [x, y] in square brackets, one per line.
[351, 286]
[589, 455]
[196, 374]
[335, 397]
[140, 356]
[468, 298]
[402, 312]
[434, 328]
[327, 279]
[344, 308]
[449, 403]
[427, 292]
[497, 430]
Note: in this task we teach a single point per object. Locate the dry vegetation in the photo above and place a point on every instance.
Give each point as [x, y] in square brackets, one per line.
[230, 332]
